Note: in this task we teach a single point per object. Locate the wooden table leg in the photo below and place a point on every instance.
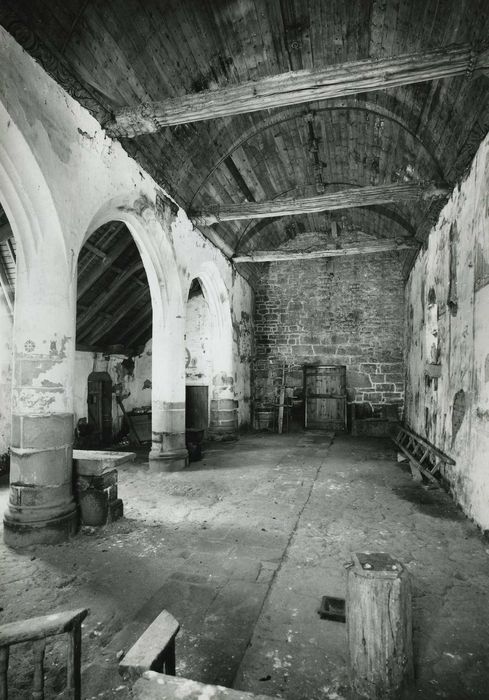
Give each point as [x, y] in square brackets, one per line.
[74, 663]
[4, 654]
[170, 661]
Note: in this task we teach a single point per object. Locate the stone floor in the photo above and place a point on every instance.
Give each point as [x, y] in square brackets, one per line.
[240, 548]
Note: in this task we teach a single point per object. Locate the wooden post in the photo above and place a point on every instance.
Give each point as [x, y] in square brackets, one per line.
[4, 654]
[170, 661]
[38, 680]
[281, 399]
[73, 670]
[378, 616]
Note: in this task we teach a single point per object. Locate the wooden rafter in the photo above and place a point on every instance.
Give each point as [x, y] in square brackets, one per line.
[4, 283]
[143, 317]
[5, 232]
[344, 199]
[261, 256]
[104, 299]
[144, 329]
[296, 87]
[96, 251]
[104, 265]
[106, 325]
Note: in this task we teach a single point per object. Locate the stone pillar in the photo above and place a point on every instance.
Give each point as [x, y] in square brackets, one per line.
[41, 508]
[6, 330]
[168, 451]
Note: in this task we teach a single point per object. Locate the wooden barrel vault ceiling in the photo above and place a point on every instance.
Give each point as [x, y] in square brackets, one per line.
[138, 57]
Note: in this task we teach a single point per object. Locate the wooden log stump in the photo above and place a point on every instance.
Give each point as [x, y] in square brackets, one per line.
[378, 616]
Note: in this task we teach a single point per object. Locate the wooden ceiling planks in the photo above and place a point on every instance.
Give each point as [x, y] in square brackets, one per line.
[153, 49]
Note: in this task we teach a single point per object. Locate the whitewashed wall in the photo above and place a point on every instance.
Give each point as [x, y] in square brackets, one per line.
[453, 411]
[91, 179]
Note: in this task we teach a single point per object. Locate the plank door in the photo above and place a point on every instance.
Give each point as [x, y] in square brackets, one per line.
[99, 400]
[325, 397]
[196, 407]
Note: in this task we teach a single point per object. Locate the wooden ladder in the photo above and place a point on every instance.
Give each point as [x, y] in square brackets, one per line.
[427, 458]
[38, 630]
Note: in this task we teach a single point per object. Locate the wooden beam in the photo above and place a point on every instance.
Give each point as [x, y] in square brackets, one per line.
[331, 201]
[107, 324]
[5, 232]
[96, 251]
[296, 87]
[11, 250]
[137, 322]
[97, 272]
[261, 256]
[104, 299]
[140, 333]
[483, 61]
[7, 293]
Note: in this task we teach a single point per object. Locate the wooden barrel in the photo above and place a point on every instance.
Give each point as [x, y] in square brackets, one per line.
[264, 419]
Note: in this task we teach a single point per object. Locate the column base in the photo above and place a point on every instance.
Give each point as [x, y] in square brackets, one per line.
[168, 461]
[20, 533]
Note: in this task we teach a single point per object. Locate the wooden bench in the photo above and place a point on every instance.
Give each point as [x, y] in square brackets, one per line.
[96, 484]
[424, 459]
[156, 686]
[37, 630]
[154, 650]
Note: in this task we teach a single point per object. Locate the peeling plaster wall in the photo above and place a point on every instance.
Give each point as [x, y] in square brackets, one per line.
[242, 310]
[85, 171]
[452, 411]
[198, 331]
[5, 373]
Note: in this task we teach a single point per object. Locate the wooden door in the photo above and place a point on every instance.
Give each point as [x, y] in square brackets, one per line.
[100, 407]
[196, 407]
[325, 397]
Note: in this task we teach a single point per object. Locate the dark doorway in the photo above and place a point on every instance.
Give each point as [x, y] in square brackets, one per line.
[325, 397]
[196, 407]
[100, 407]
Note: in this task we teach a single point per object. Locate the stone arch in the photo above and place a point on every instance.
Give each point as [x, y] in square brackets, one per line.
[217, 296]
[223, 405]
[25, 194]
[150, 234]
[153, 244]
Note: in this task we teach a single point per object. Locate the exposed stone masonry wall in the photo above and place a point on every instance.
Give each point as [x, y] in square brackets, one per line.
[345, 311]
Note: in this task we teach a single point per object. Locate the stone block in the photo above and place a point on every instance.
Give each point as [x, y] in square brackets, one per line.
[42, 496]
[104, 483]
[96, 462]
[358, 379]
[42, 432]
[48, 467]
[116, 510]
[97, 508]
